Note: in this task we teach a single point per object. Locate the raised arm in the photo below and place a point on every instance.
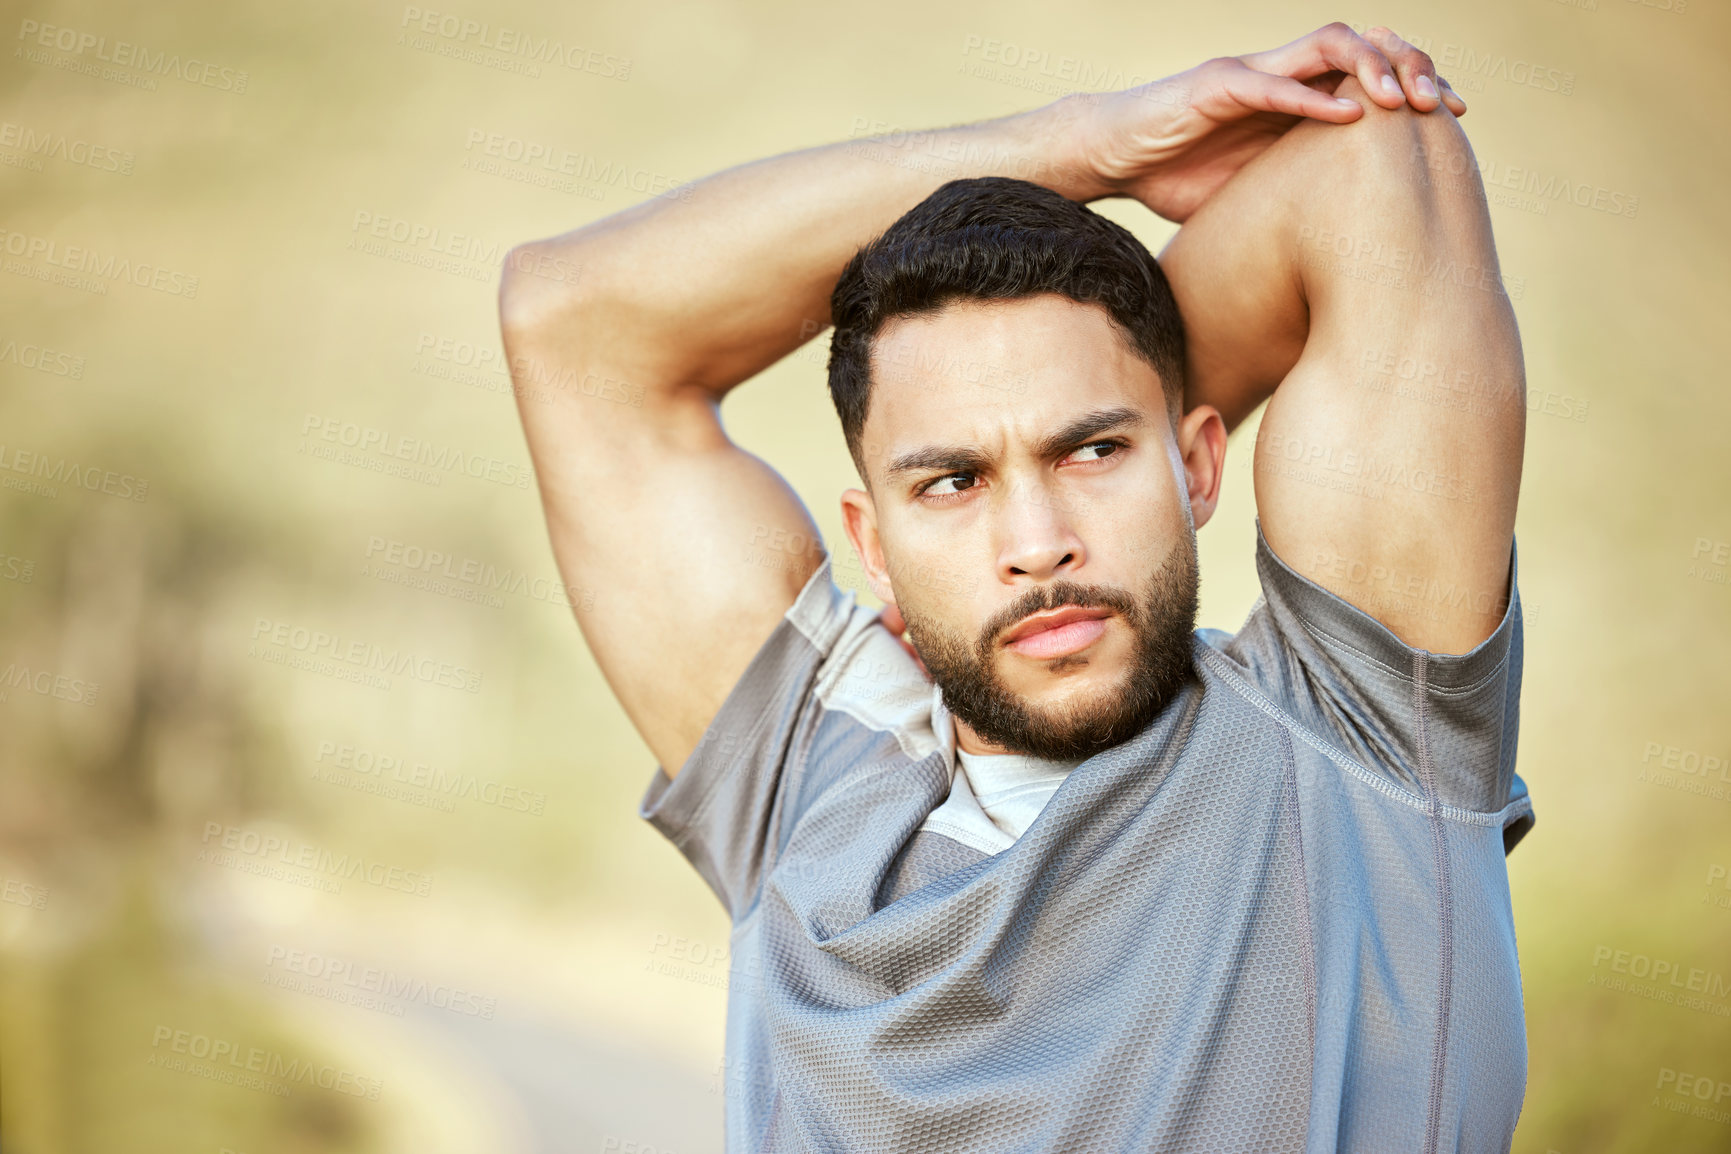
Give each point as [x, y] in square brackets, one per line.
[624, 336]
[1352, 268]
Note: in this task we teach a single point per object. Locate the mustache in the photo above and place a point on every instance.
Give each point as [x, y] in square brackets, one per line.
[1055, 596]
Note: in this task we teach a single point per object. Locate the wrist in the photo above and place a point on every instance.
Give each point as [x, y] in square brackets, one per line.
[1053, 146]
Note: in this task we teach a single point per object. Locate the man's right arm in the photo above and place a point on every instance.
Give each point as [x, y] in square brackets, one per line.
[672, 303]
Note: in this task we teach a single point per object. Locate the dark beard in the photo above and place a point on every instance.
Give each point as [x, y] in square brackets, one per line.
[1162, 623]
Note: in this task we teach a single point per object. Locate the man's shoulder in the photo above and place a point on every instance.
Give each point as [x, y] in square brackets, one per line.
[869, 677]
[836, 659]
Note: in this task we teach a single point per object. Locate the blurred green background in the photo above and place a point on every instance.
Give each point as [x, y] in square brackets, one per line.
[316, 819]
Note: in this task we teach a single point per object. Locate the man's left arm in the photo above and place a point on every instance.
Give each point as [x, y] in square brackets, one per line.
[1349, 271]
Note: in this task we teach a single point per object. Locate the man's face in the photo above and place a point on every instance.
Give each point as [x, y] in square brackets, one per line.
[1030, 515]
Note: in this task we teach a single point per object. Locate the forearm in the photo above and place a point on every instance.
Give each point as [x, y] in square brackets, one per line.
[709, 287]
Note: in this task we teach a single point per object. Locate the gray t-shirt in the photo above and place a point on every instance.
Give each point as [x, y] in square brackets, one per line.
[1277, 919]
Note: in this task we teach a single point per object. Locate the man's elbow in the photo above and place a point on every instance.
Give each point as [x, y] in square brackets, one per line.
[1401, 151]
[541, 284]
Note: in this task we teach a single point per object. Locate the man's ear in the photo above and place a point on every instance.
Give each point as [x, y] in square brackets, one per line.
[1201, 436]
[859, 516]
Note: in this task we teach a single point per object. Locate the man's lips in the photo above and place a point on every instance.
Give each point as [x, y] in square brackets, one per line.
[1057, 632]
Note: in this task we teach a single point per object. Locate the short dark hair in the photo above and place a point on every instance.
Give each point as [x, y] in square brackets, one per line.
[995, 238]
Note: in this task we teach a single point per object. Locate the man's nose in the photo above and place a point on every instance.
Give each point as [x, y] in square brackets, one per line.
[1037, 535]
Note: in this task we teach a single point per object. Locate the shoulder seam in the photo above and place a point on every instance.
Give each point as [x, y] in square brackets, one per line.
[1251, 694]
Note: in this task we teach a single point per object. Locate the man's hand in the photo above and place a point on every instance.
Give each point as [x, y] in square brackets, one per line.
[1172, 143]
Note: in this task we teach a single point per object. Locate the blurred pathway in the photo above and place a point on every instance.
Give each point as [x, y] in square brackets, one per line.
[583, 1094]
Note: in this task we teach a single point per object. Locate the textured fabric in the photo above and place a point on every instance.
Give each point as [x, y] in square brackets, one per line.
[993, 798]
[1277, 919]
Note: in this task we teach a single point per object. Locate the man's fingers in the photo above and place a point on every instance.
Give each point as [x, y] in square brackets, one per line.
[1451, 98]
[1253, 91]
[1392, 71]
[1418, 79]
[1334, 48]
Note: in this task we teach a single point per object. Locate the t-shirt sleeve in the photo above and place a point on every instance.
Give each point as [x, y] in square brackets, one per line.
[1442, 725]
[723, 809]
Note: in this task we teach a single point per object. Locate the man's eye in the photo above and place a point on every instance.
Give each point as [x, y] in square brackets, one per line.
[952, 484]
[1100, 449]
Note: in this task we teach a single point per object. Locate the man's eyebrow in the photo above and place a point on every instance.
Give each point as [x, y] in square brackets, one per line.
[1085, 428]
[949, 459]
[960, 458]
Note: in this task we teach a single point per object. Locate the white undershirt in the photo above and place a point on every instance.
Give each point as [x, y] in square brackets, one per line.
[994, 798]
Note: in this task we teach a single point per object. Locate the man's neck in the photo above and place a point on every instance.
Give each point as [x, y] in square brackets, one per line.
[973, 744]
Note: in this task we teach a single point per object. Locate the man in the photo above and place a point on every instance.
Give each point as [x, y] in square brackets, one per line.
[1065, 873]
